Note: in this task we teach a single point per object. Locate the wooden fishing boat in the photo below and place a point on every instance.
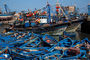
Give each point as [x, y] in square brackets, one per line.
[28, 53]
[63, 44]
[49, 40]
[66, 42]
[32, 43]
[74, 53]
[5, 17]
[44, 28]
[69, 34]
[5, 54]
[69, 53]
[52, 56]
[26, 46]
[57, 32]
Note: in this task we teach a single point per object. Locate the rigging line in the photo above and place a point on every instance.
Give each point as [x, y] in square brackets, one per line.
[62, 10]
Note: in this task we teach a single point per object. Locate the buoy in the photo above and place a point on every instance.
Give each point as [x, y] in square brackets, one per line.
[57, 10]
[21, 19]
[57, 7]
[48, 41]
[27, 15]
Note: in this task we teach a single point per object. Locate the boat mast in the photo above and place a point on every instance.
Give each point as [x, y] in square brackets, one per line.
[0, 11]
[62, 9]
[5, 8]
[57, 8]
[48, 13]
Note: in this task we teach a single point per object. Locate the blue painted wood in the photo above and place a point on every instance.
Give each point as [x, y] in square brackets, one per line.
[51, 39]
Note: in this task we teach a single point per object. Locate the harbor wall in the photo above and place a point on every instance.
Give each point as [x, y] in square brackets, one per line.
[85, 27]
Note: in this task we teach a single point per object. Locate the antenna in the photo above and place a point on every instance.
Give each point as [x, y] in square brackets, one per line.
[5, 7]
[47, 3]
[48, 12]
[0, 10]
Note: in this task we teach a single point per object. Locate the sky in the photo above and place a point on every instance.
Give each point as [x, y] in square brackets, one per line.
[18, 5]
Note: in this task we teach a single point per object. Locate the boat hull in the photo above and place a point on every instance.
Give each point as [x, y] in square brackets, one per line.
[5, 17]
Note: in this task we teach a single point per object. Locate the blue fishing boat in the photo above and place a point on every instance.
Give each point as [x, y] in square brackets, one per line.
[66, 42]
[52, 56]
[79, 55]
[32, 43]
[28, 53]
[75, 42]
[69, 34]
[31, 46]
[49, 40]
[85, 41]
[7, 15]
[5, 53]
[63, 44]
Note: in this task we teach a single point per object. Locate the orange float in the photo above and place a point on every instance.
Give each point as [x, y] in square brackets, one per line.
[48, 41]
[57, 10]
[57, 7]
